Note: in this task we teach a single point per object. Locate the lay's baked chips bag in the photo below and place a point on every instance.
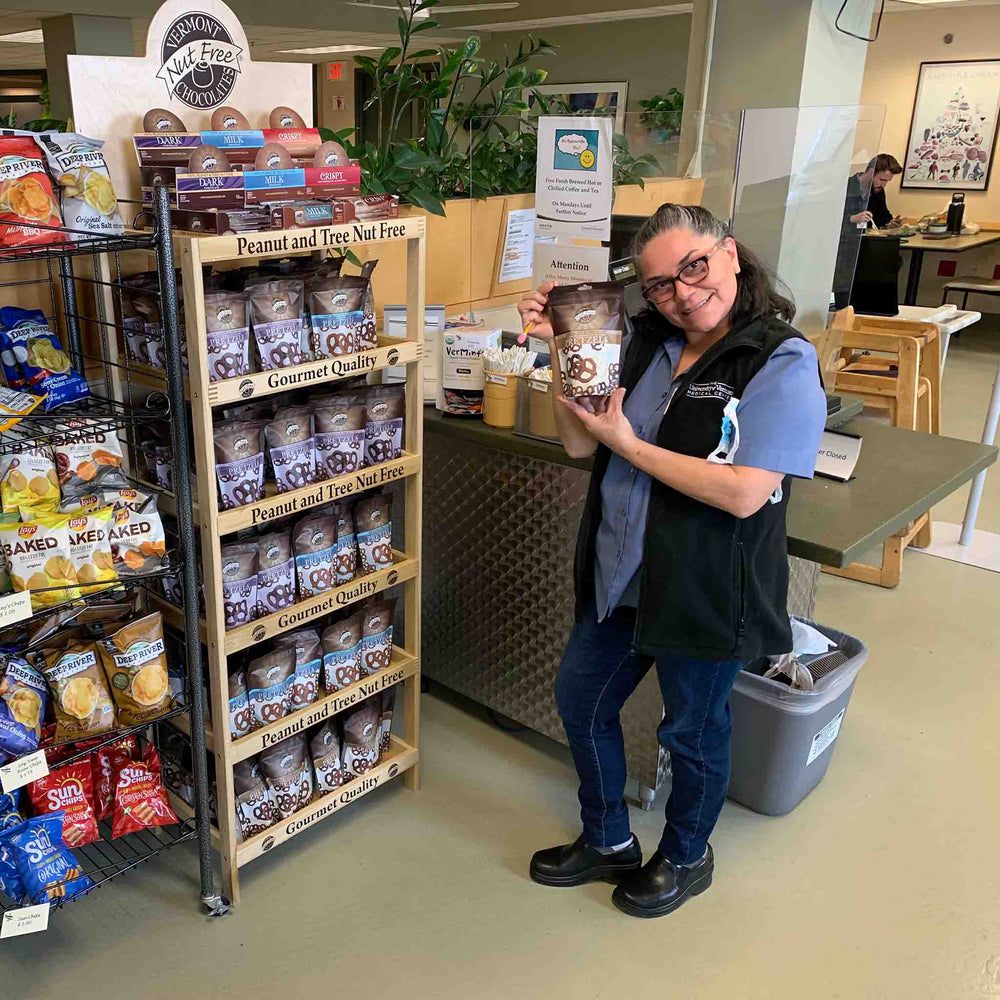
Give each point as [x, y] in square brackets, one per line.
[38, 559]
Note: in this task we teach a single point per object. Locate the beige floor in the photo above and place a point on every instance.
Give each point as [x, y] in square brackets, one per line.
[882, 884]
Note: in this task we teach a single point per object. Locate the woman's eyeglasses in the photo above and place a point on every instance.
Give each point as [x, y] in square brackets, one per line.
[693, 272]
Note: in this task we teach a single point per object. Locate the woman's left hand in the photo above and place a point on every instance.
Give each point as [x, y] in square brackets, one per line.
[608, 424]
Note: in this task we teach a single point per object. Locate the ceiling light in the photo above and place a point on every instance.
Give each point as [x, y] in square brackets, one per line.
[33, 37]
[322, 50]
[540, 23]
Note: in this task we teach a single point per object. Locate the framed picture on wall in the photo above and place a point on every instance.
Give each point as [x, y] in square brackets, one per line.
[584, 98]
[953, 130]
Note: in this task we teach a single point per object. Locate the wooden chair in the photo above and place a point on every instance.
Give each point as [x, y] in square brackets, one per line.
[903, 376]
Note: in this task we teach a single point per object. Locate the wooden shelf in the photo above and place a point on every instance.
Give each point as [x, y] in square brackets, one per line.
[302, 612]
[172, 614]
[402, 666]
[299, 501]
[281, 243]
[399, 758]
[313, 373]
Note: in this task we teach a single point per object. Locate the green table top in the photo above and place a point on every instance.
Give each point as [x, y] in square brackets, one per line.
[828, 522]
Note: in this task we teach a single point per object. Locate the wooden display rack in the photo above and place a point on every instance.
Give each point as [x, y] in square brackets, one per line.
[403, 755]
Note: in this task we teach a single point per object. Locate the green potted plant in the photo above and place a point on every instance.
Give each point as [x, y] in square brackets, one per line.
[661, 115]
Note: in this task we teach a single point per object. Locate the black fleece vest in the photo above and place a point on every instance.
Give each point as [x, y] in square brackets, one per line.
[711, 584]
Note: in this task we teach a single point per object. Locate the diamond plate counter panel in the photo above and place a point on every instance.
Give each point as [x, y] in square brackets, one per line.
[499, 536]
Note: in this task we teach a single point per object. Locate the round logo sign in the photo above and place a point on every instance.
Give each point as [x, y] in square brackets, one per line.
[267, 844]
[246, 388]
[200, 63]
[393, 356]
[392, 578]
[393, 770]
[258, 633]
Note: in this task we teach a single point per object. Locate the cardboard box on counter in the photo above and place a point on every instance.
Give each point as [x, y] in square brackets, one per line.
[301, 184]
[168, 148]
[303, 214]
[195, 192]
[209, 223]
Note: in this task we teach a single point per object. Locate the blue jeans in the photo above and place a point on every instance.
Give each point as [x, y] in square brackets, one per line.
[599, 671]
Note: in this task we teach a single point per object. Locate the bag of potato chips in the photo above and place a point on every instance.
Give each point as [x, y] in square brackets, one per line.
[22, 706]
[86, 193]
[38, 557]
[80, 696]
[33, 358]
[14, 405]
[90, 548]
[87, 459]
[135, 661]
[25, 195]
[28, 479]
[138, 542]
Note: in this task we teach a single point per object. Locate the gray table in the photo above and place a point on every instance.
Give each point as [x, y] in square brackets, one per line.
[501, 513]
[919, 245]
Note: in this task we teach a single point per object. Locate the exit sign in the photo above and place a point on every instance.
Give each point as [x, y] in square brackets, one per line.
[335, 71]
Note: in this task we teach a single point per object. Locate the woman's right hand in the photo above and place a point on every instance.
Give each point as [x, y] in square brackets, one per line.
[534, 309]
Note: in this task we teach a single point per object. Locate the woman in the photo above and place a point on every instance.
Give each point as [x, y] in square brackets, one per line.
[681, 559]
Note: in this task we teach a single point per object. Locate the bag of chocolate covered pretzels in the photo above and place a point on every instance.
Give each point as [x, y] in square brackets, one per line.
[376, 636]
[288, 770]
[239, 705]
[339, 306]
[362, 742]
[239, 583]
[388, 705]
[275, 573]
[324, 748]
[239, 462]
[587, 323]
[228, 335]
[269, 686]
[314, 540]
[276, 311]
[342, 652]
[339, 435]
[255, 810]
[373, 528]
[291, 448]
[385, 407]
[346, 563]
[308, 665]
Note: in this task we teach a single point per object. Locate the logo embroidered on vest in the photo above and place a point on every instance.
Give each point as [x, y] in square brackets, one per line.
[710, 390]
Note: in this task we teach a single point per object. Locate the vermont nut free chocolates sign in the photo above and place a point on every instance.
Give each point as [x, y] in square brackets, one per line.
[197, 59]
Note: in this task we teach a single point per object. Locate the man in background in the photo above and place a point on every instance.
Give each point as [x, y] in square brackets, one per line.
[863, 206]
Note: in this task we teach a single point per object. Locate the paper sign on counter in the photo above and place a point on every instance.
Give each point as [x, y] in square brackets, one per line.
[19, 772]
[838, 455]
[25, 920]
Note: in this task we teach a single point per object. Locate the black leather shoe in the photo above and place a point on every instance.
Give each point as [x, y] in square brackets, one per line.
[576, 864]
[660, 886]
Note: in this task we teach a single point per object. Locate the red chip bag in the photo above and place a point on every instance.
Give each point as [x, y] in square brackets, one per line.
[140, 798]
[26, 195]
[68, 788]
[104, 762]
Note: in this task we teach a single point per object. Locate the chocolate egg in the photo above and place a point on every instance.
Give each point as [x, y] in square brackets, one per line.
[161, 120]
[272, 156]
[225, 118]
[283, 117]
[330, 154]
[208, 160]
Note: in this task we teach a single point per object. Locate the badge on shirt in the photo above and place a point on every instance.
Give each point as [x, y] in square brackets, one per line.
[729, 436]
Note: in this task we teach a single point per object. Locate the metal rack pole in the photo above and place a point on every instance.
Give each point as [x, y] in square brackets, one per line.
[71, 317]
[210, 897]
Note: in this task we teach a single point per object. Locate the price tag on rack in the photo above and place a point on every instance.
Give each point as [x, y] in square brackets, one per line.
[19, 772]
[25, 920]
[15, 608]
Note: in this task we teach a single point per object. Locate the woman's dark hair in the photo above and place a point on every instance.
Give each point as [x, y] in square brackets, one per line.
[759, 294]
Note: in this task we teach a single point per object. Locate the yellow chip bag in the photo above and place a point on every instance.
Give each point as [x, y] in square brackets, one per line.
[90, 548]
[135, 661]
[80, 695]
[14, 405]
[38, 559]
[28, 479]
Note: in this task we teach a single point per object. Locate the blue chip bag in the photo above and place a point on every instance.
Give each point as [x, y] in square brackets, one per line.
[9, 816]
[10, 878]
[23, 694]
[34, 360]
[48, 871]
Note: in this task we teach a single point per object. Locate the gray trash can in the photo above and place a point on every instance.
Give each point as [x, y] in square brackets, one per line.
[783, 739]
